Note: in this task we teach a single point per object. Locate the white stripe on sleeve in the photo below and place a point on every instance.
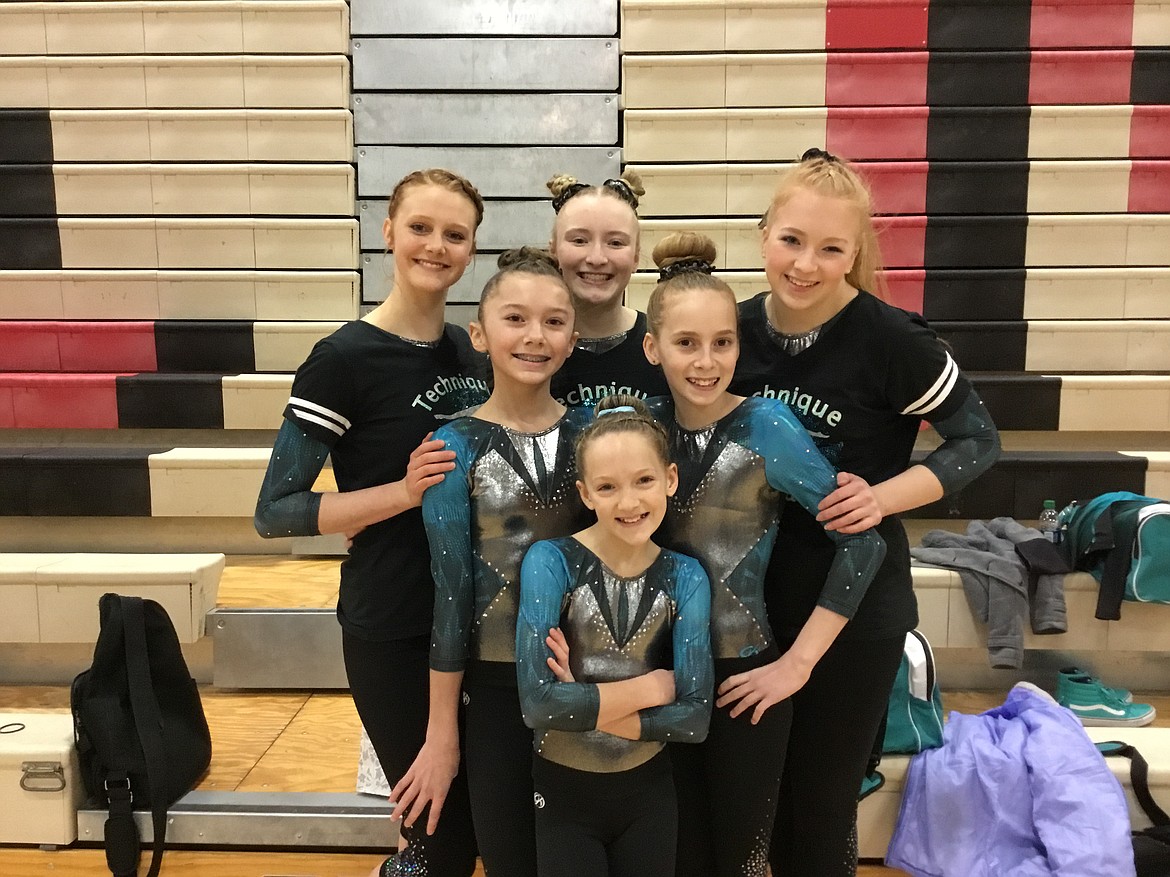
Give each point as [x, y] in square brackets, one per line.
[934, 397]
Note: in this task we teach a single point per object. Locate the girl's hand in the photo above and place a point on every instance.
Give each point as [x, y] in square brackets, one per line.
[763, 687]
[852, 507]
[559, 662]
[426, 782]
[427, 465]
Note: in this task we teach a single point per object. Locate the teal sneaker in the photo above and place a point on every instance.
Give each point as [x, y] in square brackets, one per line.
[1067, 673]
[1098, 707]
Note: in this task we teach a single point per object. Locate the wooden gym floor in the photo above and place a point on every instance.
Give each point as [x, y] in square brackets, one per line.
[287, 741]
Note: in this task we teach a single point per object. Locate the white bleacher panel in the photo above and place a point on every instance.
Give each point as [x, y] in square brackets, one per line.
[721, 25]
[1135, 240]
[458, 17]
[196, 81]
[19, 622]
[500, 172]
[283, 346]
[191, 189]
[1097, 345]
[932, 588]
[707, 189]
[485, 64]
[178, 295]
[1151, 23]
[1097, 293]
[505, 224]
[1102, 402]
[22, 30]
[254, 401]
[706, 81]
[718, 135]
[206, 482]
[207, 243]
[202, 135]
[1078, 186]
[486, 119]
[93, 28]
[378, 278]
[736, 240]
[1101, 131]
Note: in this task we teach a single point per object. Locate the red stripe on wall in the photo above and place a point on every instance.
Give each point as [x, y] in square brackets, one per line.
[877, 132]
[29, 346]
[897, 186]
[1149, 132]
[1082, 23]
[876, 24]
[7, 414]
[907, 288]
[883, 79]
[108, 346]
[1149, 187]
[1078, 77]
[48, 401]
[903, 240]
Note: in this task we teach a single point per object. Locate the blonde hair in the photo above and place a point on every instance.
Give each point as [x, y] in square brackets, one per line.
[833, 177]
[685, 260]
[610, 416]
[437, 176]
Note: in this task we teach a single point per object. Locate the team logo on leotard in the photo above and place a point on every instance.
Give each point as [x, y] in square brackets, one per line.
[538, 800]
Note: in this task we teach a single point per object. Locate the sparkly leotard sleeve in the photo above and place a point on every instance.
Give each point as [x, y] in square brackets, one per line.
[617, 628]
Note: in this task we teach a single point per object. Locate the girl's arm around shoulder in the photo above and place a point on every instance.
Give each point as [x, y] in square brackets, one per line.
[686, 719]
[446, 511]
[546, 702]
[795, 465]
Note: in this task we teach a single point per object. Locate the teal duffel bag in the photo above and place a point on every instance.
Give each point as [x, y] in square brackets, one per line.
[914, 720]
[1123, 540]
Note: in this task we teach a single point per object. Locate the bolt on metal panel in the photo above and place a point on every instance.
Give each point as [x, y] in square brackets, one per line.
[485, 64]
[453, 17]
[486, 119]
[501, 172]
[505, 224]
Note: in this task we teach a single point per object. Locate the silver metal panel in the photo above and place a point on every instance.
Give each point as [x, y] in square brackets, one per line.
[378, 277]
[486, 119]
[276, 648]
[485, 64]
[452, 17]
[263, 819]
[505, 224]
[498, 172]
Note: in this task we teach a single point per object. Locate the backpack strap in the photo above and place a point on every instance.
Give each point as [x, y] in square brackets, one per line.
[147, 721]
[121, 832]
[1139, 773]
[1117, 562]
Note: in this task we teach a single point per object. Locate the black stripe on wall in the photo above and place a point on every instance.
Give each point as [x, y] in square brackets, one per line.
[29, 244]
[1020, 401]
[994, 79]
[89, 481]
[1006, 24]
[1019, 483]
[980, 346]
[168, 401]
[27, 190]
[977, 187]
[977, 133]
[1151, 76]
[27, 136]
[976, 241]
[997, 294]
[204, 345]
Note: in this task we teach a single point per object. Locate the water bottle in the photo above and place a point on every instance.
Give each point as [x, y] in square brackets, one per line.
[1049, 524]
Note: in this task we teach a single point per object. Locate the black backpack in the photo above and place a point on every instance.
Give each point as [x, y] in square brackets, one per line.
[142, 738]
[1151, 846]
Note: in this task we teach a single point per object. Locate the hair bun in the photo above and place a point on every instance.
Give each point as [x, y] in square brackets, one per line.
[526, 256]
[685, 246]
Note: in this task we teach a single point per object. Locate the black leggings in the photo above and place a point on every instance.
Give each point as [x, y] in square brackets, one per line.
[727, 786]
[835, 719]
[605, 824]
[499, 772]
[389, 684]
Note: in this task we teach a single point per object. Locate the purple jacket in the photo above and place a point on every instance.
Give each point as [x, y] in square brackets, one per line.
[1017, 791]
